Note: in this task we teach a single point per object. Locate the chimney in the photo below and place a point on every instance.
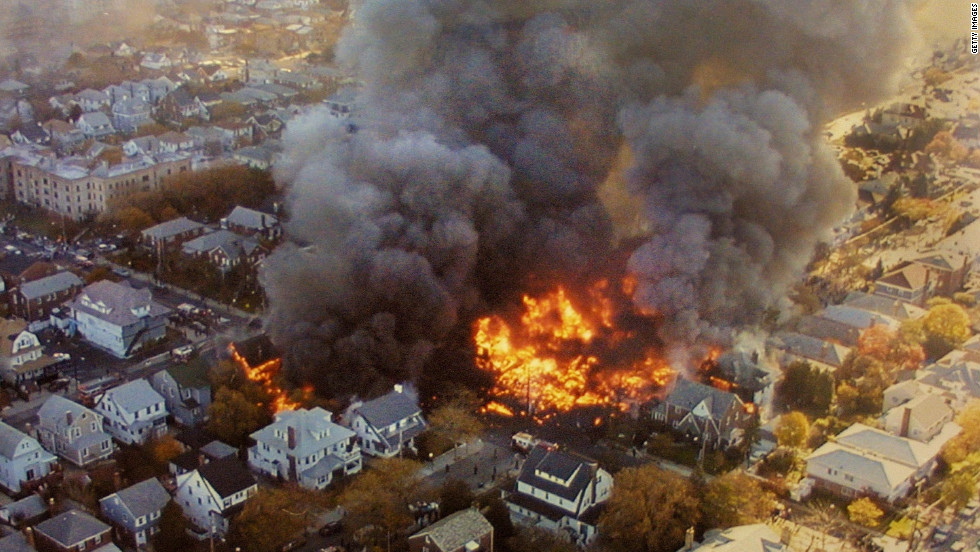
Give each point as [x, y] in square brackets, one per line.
[29, 535]
[69, 418]
[903, 430]
[755, 357]
[291, 437]
[399, 388]
[689, 539]
[786, 536]
[201, 459]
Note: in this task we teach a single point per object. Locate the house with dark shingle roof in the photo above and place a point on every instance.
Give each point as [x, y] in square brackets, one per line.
[73, 531]
[25, 512]
[224, 249]
[561, 491]
[135, 511]
[792, 347]
[387, 424]
[117, 317]
[463, 531]
[252, 223]
[186, 390]
[214, 493]
[910, 284]
[711, 416]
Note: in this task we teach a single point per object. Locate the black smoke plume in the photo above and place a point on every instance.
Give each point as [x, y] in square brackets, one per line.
[485, 130]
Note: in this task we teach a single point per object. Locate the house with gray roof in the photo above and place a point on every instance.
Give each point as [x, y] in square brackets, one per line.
[172, 233]
[117, 317]
[842, 324]
[225, 249]
[25, 512]
[252, 223]
[791, 346]
[387, 424]
[135, 512]
[73, 531]
[714, 417]
[24, 464]
[91, 100]
[16, 542]
[305, 446]
[561, 491]
[14, 88]
[134, 413]
[864, 460]
[33, 301]
[95, 124]
[73, 431]
[463, 531]
[899, 310]
[920, 418]
[186, 390]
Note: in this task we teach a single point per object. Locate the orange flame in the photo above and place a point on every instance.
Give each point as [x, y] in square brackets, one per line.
[267, 376]
[544, 362]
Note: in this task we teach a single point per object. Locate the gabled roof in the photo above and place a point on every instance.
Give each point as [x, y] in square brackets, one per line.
[231, 243]
[54, 410]
[313, 429]
[141, 499]
[942, 260]
[870, 471]
[72, 528]
[455, 531]
[250, 218]
[687, 395]
[133, 396]
[10, 329]
[16, 542]
[388, 409]
[10, 439]
[117, 302]
[31, 506]
[171, 228]
[912, 277]
[227, 476]
[856, 318]
[51, 284]
[190, 375]
[544, 462]
[95, 119]
[928, 410]
[898, 310]
[811, 348]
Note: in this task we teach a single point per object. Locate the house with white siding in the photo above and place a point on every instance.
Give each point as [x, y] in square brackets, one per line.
[117, 317]
[133, 412]
[561, 491]
[387, 424]
[305, 446]
[213, 493]
[24, 464]
[186, 390]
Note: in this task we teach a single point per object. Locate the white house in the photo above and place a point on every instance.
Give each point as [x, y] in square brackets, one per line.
[867, 460]
[758, 537]
[128, 115]
[73, 432]
[92, 100]
[133, 412]
[560, 490]
[135, 511]
[387, 424]
[156, 61]
[307, 447]
[95, 124]
[24, 464]
[118, 318]
[210, 495]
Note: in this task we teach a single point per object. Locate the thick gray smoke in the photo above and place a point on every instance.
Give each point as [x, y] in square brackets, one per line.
[485, 129]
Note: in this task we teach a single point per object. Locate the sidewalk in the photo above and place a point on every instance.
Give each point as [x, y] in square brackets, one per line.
[19, 407]
[450, 457]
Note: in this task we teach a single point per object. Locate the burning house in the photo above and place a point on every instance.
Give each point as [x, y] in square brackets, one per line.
[261, 363]
[513, 168]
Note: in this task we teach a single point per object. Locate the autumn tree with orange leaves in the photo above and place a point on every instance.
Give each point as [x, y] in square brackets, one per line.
[892, 347]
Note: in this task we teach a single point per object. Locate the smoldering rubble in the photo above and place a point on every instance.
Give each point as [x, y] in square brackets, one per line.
[470, 172]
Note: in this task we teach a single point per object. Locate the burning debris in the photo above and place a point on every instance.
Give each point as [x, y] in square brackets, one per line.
[550, 361]
[262, 364]
[495, 144]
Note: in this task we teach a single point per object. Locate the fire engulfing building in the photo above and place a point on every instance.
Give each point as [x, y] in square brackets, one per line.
[560, 490]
